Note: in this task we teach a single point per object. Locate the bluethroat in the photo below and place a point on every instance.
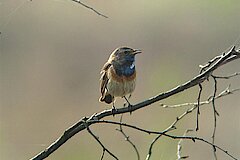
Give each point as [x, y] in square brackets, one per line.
[118, 75]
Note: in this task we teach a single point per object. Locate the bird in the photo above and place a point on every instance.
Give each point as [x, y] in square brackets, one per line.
[118, 75]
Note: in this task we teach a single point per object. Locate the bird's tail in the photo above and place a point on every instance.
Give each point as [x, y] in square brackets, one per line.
[107, 98]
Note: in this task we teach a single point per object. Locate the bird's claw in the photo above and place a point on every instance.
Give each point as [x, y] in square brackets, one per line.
[113, 110]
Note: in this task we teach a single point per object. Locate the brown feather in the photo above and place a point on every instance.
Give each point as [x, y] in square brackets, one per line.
[104, 80]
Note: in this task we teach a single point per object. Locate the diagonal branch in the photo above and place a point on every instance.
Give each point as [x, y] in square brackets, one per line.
[79, 126]
[101, 144]
[91, 8]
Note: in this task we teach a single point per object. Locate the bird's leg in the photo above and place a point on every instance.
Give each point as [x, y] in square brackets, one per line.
[130, 95]
[113, 109]
[129, 104]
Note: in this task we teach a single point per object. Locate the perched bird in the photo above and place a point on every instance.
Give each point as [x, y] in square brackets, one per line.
[118, 75]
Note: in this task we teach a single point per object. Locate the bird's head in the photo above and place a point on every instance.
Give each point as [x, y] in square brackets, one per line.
[124, 55]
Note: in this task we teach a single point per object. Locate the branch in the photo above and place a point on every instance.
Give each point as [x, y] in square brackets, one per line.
[195, 105]
[215, 113]
[101, 144]
[91, 8]
[229, 76]
[198, 103]
[225, 92]
[79, 126]
[168, 135]
[127, 138]
[179, 151]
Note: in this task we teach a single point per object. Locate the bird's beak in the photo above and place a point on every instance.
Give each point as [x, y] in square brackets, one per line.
[137, 51]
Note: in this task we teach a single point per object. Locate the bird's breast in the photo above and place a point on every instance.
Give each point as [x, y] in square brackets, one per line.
[120, 86]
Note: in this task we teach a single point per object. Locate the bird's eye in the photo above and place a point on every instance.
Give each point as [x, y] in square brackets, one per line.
[126, 52]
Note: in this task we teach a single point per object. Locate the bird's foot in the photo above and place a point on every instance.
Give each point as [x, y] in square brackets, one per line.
[130, 108]
[113, 110]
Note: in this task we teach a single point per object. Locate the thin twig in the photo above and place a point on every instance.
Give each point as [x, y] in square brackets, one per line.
[103, 152]
[151, 146]
[127, 138]
[198, 103]
[179, 148]
[167, 135]
[209, 63]
[215, 113]
[101, 144]
[225, 92]
[228, 76]
[91, 8]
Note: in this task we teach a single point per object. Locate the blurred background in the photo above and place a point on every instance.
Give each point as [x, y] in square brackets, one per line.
[51, 55]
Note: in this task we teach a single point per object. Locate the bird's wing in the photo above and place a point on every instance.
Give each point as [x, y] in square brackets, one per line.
[104, 78]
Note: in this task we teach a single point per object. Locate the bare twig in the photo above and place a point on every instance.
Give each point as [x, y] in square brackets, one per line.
[79, 126]
[215, 113]
[167, 135]
[127, 138]
[209, 63]
[88, 7]
[179, 148]
[198, 102]
[91, 8]
[151, 146]
[228, 76]
[103, 152]
[101, 144]
[205, 141]
[235, 55]
[225, 92]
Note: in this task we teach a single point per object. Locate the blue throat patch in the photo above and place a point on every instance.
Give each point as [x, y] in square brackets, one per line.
[126, 67]
[125, 70]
